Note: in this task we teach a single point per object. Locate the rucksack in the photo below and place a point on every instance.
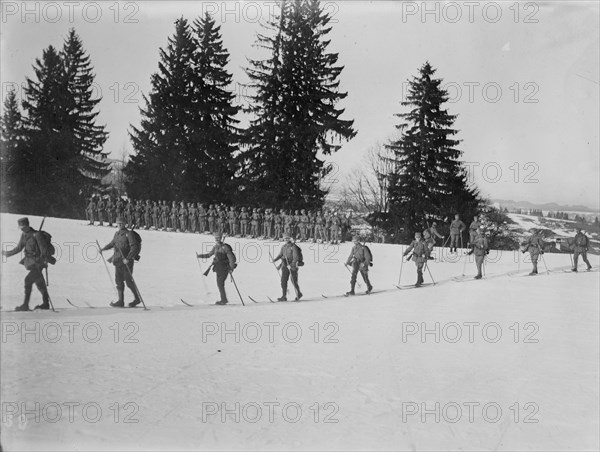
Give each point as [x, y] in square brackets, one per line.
[138, 241]
[370, 255]
[300, 257]
[47, 250]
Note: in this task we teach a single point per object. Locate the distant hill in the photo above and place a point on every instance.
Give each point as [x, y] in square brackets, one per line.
[510, 204]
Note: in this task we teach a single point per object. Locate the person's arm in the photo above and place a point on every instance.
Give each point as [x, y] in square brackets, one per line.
[279, 256]
[206, 255]
[17, 249]
[349, 260]
[109, 246]
[409, 249]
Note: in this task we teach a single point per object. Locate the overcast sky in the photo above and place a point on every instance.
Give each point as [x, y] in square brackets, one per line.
[523, 77]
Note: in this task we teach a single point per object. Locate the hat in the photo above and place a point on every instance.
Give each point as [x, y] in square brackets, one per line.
[120, 220]
[23, 221]
[218, 236]
[355, 238]
[286, 237]
[418, 233]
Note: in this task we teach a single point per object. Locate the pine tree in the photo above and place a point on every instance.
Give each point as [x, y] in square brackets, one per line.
[429, 181]
[187, 138]
[295, 108]
[88, 138]
[12, 152]
[162, 143]
[50, 157]
[212, 164]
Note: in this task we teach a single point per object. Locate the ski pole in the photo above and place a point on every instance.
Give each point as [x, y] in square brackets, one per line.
[401, 265]
[350, 271]
[465, 264]
[277, 269]
[429, 271]
[137, 291]
[107, 270]
[544, 261]
[236, 288]
[203, 280]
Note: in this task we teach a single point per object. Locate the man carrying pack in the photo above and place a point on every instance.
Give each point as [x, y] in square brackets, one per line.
[223, 264]
[360, 259]
[291, 259]
[580, 247]
[126, 249]
[535, 246]
[37, 255]
[420, 254]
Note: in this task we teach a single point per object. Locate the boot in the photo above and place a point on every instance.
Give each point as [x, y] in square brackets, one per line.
[134, 303]
[299, 296]
[283, 297]
[119, 303]
[575, 269]
[351, 292]
[222, 302]
[478, 277]
[23, 307]
[46, 302]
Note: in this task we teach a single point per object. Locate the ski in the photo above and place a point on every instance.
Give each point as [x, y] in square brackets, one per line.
[186, 303]
[69, 301]
[467, 278]
[412, 286]
[253, 300]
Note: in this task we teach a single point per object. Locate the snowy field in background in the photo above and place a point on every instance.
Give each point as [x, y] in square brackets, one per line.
[507, 363]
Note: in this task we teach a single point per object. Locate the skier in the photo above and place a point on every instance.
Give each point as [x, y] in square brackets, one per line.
[223, 264]
[360, 259]
[91, 209]
[580, 247]
[433, 231]
[473, 228]
[535, 246]
[456, 229]
[100, 206]
[33, 261]
[126, 249]
[290, 255]
[480, 247]
[420, 254]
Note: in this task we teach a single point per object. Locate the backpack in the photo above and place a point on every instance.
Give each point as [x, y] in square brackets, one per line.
[47, 250]
[300, 257]
[138, 242]
[369, 254]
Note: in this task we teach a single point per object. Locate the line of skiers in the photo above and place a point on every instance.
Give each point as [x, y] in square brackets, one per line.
[126, 245]
[302, 225]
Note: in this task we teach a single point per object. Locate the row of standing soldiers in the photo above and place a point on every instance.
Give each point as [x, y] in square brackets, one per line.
[302, 225]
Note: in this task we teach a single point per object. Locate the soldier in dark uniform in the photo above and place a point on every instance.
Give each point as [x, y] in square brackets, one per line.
[360, 259]
[456, 229]
[100, 206]
[473, 227]
[125, 251]
[174, 212]
[148, 215]
[91, 210]
[193, 217]
[244, 218]
[223, 264]
[420, 255]
[232, 219]
[164, 215]
[269, 223]
[155, 215]
[479, 246]
[202, 218]
[277, 220]
[139, 213]
[303, 223]
[110, 211]
[535, 246]
[183, 216]
[222, 220]
[290, 256]
[34, 251]
[211, 218]
[580, 247]
[129, 209]
[254, 224]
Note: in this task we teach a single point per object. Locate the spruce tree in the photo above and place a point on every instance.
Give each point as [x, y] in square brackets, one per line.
[429, 181]
[296, 92]
[163, 141]
[50, 157]
[12, 153]
[88, 137]
[212, 164]
[187, 138]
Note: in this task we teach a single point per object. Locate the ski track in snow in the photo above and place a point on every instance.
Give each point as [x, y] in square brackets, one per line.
[361, 362]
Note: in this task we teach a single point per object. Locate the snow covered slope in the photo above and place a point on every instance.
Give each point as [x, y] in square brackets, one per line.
[505, 363]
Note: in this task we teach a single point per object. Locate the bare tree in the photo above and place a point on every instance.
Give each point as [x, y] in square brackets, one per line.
[367, 185]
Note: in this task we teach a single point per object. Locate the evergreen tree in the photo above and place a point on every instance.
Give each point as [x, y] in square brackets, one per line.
[88, 138]
[50, 156]
[162, 142]
[295, 108]
[430, 181]
[213, 166]
[12, 151]
[187, 138]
